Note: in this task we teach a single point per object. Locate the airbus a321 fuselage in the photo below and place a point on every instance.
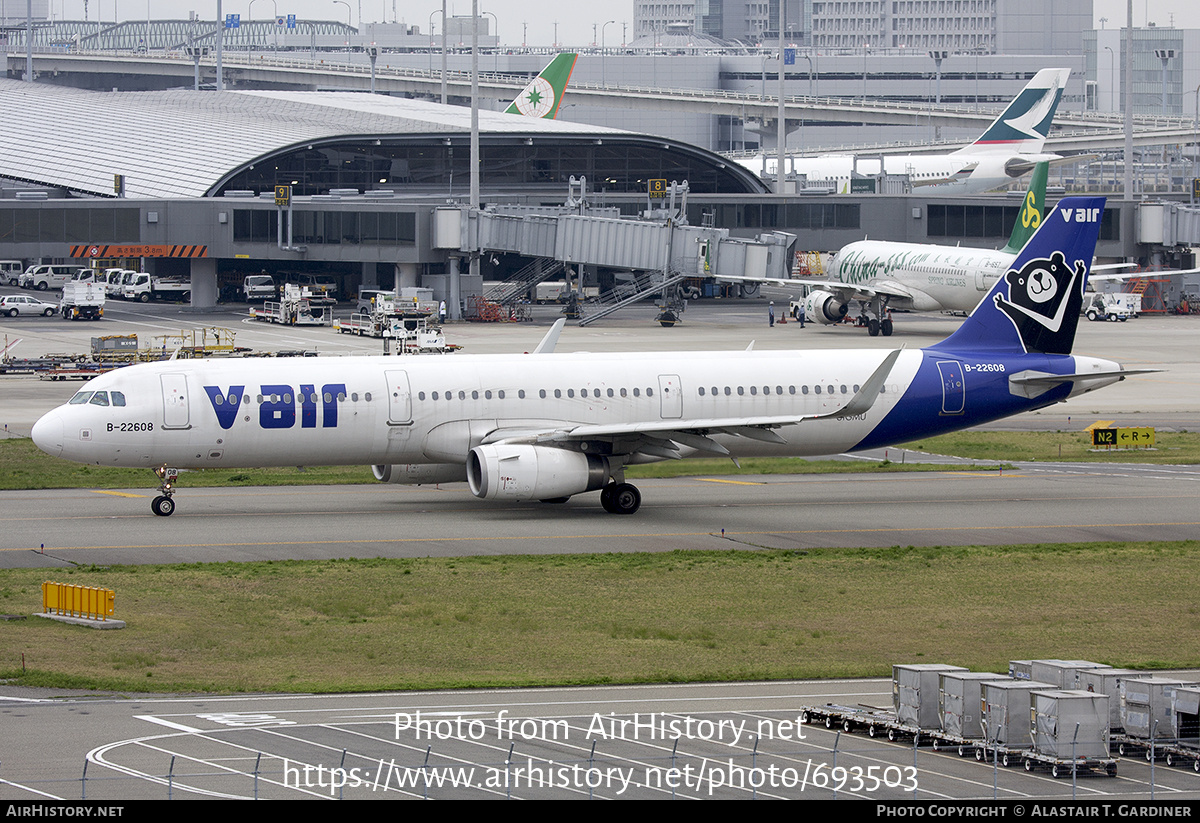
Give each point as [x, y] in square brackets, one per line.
[550, 426]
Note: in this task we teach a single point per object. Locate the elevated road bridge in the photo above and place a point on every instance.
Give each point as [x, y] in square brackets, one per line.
[332, 70]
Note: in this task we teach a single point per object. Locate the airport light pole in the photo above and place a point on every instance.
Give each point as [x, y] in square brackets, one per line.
[602, 28]
[1164, 55]
[443, 52]
[349, 11]
[250, 14]
[1112, 78]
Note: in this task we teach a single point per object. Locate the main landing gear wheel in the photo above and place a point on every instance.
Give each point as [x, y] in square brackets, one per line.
[873, 327]
[620, 498]
[885, 327]
[163, 506]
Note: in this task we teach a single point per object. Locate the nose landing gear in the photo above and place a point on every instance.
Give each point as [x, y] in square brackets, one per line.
[164, 505]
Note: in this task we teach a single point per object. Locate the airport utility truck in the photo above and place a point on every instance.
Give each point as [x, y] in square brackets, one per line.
[82, 300]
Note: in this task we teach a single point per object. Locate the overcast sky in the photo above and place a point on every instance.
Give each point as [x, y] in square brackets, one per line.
[575, 19]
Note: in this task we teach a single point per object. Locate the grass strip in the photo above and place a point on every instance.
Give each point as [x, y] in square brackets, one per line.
[353, 625]
[23, 466]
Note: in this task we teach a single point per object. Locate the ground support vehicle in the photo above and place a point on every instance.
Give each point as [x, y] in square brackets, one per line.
[297, 308]
[259, 287]
[1112, 306]
[1170, 752]
[877, 722]
[145, 288]
[82, 300]
[962, 745]
[79, 371]
[1062, 767]
[368, 325]
[1009, 756]
[47, 276]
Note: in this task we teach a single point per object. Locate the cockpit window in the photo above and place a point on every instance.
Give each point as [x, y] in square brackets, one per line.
[100, 398]
[81, 398]
[118, 398]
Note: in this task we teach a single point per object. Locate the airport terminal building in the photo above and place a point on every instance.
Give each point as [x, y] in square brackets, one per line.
[367, 173]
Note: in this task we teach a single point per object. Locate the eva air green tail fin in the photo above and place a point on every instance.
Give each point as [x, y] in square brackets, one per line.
[543, 96]
[1032, 210]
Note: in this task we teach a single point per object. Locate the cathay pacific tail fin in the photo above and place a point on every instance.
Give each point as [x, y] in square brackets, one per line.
[1024, 125]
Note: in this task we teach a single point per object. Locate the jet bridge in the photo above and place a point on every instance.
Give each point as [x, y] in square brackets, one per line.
[659, 250]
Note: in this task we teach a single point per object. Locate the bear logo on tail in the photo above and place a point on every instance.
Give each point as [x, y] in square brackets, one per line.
[1039, 291]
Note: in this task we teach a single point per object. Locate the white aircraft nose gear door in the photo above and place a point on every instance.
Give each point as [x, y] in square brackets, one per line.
[670, 396]
[175, 402]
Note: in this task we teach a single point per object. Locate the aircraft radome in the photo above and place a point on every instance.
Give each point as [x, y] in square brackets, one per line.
[547, 426]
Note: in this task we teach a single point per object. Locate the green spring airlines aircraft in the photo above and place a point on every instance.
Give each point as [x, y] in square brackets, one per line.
[881, 275]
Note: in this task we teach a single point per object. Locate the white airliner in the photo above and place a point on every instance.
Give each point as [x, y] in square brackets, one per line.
[547, 426]
[881, 275]
[1008, 149]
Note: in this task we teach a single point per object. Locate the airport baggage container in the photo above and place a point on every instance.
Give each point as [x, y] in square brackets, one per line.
[1069, 723]
[1146, 707]
[960, 702]
[960, 694]
[1005, 712]
[1062, 673]
[1070, 733]
[1108, 681]
[915, 693]
[1186, 715]
[1185, 749]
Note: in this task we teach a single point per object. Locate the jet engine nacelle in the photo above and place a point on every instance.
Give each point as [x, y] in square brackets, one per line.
[521, 472]
[825, 308]
[416, 474]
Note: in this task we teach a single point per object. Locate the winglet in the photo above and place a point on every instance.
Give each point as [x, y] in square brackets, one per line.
[865, 398]
[551, 339]
[543, 96]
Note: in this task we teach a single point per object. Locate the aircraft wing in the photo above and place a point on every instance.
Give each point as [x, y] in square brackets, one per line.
[658, 438]
[1133, 274]
[957, 177]
[845, 291]
[1018, 166]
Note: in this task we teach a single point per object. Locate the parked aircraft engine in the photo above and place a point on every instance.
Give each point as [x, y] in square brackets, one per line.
[416, 474]
[522, 472]
[825, 308]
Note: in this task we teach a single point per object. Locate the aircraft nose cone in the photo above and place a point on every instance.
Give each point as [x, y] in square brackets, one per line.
[48, 434]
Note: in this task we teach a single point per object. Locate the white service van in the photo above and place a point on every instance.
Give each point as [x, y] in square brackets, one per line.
[47, 276]
[11, 271]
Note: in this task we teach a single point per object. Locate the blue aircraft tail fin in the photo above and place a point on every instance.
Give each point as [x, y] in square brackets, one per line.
[1035, 306]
